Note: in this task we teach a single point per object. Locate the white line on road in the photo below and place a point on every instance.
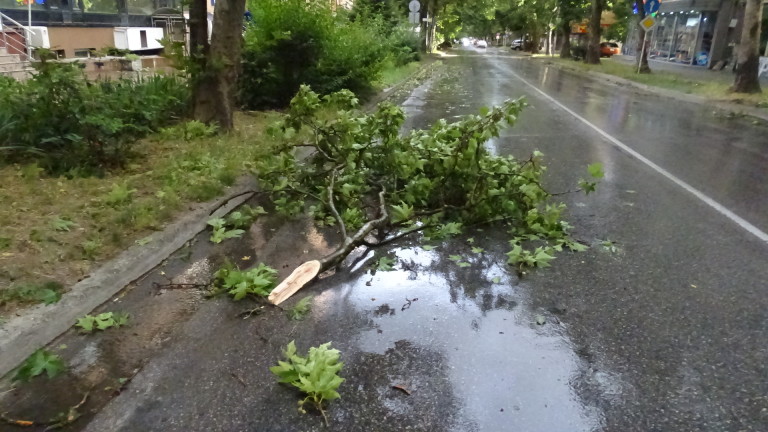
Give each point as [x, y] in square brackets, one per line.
[698, 194]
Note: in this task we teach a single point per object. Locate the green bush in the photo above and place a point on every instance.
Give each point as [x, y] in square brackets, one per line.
[295, 42]
[74, 127]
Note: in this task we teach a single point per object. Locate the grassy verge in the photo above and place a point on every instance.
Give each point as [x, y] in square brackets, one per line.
[392, 74]
[667, 80]
[54, 231]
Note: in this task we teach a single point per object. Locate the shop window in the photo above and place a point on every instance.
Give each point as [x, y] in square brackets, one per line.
[97, 6]
[83, 52]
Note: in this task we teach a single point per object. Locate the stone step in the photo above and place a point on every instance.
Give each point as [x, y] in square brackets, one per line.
[19, 74]
[7, 67]
[9, 58]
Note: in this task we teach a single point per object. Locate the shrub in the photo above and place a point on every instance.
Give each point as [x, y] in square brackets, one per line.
[71, 126]
[295, 42]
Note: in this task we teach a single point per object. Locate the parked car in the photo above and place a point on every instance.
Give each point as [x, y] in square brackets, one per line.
[607, 49]
[517, 45]
[481, 44]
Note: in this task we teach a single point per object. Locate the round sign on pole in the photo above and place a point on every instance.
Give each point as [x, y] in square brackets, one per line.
[414, 6]
[651, 6]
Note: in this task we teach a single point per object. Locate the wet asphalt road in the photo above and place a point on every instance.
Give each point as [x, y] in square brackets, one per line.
[667, 332]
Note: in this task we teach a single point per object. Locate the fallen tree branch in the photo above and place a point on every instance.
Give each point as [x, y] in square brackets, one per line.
[308, 271]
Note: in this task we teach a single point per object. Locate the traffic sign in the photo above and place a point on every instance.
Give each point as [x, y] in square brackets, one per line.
[413, 17]
[414, 6]
[648, 23]
[651, 6]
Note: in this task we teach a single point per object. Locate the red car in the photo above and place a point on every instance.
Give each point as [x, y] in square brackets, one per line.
[607, 49]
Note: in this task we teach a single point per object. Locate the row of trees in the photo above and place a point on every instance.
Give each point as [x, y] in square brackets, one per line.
[545, 18]
[217, 63]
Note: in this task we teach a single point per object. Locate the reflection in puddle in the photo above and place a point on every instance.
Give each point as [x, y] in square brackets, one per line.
[508, 372]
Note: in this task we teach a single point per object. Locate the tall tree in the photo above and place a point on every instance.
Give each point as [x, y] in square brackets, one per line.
[215, 66]
[595, 32]
[568, 12]
[748, 52]
[641, 59]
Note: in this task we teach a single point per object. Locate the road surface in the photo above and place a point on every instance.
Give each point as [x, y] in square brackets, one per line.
[666, 330]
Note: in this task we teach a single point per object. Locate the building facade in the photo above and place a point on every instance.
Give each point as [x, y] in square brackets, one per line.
[75, 28]
[695, 32]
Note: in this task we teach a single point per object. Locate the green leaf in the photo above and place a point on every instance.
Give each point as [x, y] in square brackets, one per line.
[401, 213]
[496, 280]
[596, 170]
[48, 296]
[61, 224]
[456, 258]
[39, 362]
[385, 264]
[463, 264]
[477, 250]
[540, 320]
[315, 375]
[86, 323]
[301, 309]
[428, 247]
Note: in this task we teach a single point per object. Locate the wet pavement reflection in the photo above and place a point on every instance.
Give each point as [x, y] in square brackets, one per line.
[664, 332]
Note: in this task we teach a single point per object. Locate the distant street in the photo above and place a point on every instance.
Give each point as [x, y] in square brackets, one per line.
[662, 325]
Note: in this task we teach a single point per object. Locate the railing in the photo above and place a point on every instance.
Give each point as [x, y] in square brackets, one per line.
[15, 37]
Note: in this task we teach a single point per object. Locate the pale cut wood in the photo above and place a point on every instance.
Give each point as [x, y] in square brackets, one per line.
[302, 275]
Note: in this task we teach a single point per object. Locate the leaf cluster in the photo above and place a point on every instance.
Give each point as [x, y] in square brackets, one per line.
[41, 361]
[102, 321]
[301, 309]
[258, 281]
[46, 293]
[315, 375]
[234, 224]
[438, 180]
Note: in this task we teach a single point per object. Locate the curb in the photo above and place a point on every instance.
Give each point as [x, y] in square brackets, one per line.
[39, 325]
[427, 62]
[672, 94]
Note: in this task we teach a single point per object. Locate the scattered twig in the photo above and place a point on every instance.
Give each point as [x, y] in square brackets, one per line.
[402, 388]
[237, 377]
[223, 203]
[172, 285]
[335, 213]
[408, 303]
[71, 416]
[16, 422]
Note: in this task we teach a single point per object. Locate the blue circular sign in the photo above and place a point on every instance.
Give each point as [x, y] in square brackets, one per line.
[651, 6]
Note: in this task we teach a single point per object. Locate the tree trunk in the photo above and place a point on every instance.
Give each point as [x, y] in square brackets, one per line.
[593, 47]
[198, 35]
[565, 48]
[641, 58]
[748, 54]
[214, 89]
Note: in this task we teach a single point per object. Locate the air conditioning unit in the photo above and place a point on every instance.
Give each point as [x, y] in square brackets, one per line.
[138, 38]
[39, 37]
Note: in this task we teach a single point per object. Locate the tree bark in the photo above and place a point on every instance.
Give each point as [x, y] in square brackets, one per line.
[748, 55]
[595, 32]
[198, 34]
[214, 88]
[565, 48]
[641, 59]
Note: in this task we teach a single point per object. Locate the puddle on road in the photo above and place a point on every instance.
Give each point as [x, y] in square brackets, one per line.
[505, 371]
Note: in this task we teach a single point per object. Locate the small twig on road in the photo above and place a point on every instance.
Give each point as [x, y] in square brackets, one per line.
[237, 377]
